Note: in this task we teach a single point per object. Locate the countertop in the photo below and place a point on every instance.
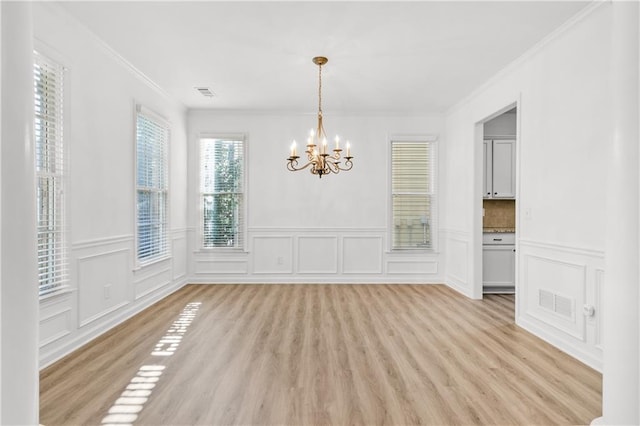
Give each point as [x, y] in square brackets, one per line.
[498, 230]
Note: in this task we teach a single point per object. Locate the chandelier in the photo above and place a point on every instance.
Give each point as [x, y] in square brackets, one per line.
[319, 160]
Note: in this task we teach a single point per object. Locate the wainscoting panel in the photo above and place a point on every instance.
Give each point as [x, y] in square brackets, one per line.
[317, 255]
[104, 290]
[55, 326]
[179, 259]
[599, 289]
[272, 254]
[559, 297]
[457, 243]
[362, 255]
[313, 255]
[215, 266]
[416, 266]
[152, 279]
[103, 280]
[555, 289]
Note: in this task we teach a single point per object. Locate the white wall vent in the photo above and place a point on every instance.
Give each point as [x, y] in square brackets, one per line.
[545, 299]
[555, 303]
[205, 91]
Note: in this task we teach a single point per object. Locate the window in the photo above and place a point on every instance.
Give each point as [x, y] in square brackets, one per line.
[50, 164]
[412, 193]
[222, 192]
[152, 138]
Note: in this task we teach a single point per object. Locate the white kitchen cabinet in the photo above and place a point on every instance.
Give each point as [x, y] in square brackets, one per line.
[498, 263]
[499, 178]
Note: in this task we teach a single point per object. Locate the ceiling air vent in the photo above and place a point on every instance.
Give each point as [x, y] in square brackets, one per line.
[205, 91]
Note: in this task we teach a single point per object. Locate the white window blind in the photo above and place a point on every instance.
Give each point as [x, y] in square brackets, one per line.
[412, 193]
[152, 138]
[222, 192]
[50, 165]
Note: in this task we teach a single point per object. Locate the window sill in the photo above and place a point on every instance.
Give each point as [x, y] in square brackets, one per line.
[56, 294]
[221, 250]
[141, 265]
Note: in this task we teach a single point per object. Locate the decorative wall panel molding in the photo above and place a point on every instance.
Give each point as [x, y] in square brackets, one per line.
[457, 261]
[152, 282]
[205, 266]
[179, 256]
[272, 254]
[301, 255]
[55, 326]
[412, 267]
[104, 290]
[556, 286]
[362, 255]
[581, 251]
[317, 255]
[103, 283]
[102, 242]
[598, 303]
[80, 336]
[276, 230]
[554, 289]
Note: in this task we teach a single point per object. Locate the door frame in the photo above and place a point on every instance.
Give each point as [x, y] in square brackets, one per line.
[476, 227]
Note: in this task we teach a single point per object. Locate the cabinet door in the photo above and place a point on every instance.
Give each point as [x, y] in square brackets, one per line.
[498, 266]
[504, 170]
[487, 173]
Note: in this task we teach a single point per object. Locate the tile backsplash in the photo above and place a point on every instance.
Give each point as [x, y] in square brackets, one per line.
[499, 214]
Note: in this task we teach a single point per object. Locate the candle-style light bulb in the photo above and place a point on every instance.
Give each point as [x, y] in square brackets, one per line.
[293, 149]
[324, 145]
[348, 149]
[337, 142]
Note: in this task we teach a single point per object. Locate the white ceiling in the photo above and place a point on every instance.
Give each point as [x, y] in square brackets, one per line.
[383, 56]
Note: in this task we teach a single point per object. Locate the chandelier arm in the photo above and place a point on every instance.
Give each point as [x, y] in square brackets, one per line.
[347, 163]
[333, 166]
[292, 165]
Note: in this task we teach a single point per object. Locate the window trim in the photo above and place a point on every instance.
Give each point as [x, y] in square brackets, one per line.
[53, 56]
[140, 109]
[244, 137]
[431, 139]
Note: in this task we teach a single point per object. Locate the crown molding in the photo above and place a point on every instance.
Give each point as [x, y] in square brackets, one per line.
[113, 54]
[516, 63]
[297, 113]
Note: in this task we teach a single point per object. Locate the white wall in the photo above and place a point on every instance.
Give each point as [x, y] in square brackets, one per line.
[101, 93]
[564, 126]
[19, 309]
[1, 334]
[302, 228]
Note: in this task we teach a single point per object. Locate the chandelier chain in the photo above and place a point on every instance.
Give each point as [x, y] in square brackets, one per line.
[320, 131]
[320, 89]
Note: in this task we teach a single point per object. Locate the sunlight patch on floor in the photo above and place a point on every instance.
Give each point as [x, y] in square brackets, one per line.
[125, 410]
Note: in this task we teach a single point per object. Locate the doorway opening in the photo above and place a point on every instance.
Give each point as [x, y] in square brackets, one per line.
[495, 213]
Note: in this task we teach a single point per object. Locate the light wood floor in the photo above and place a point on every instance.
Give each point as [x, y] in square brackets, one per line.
[320, 354]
